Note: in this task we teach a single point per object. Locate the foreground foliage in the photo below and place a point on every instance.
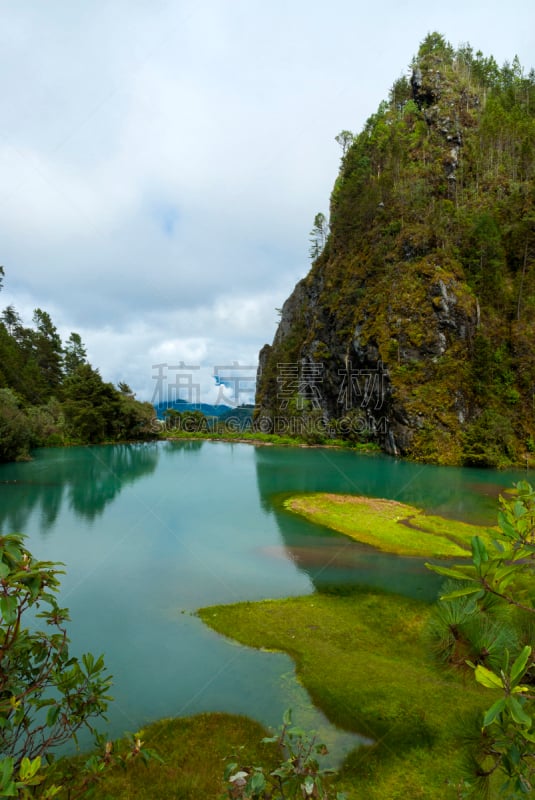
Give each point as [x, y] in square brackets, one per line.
[46, 694]
[297, 776]
[492, 600]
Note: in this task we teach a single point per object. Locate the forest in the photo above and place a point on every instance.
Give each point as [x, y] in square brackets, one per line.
[50, 395]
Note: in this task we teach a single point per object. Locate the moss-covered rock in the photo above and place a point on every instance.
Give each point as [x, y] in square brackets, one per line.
[417, 317]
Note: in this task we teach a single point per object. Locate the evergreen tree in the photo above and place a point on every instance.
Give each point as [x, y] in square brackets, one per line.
[75, 353]
[91, 406]
[48, 351]
[345, 140]
[318, 236]
[11, 320]
[125, 389]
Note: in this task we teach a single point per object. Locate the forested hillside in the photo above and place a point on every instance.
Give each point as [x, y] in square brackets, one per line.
[415, 326]
[51, 395]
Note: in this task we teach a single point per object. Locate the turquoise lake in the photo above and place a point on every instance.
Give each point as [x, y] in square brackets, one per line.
[149, 533]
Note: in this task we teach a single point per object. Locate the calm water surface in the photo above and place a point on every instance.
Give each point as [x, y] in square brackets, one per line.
[151, 532]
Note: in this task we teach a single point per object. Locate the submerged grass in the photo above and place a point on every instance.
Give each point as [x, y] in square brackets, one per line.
[388, 525]
[366, 665]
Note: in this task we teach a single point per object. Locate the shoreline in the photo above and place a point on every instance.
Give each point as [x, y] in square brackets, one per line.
[267, 440]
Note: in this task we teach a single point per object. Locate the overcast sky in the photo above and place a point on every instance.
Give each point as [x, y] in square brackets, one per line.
[162, 161]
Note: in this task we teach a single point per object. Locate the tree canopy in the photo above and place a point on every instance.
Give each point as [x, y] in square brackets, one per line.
[50, 394]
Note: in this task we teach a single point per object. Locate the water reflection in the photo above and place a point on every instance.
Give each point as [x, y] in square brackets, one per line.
[335, 563]
[86, 479]
[458, 492]
[187, 445]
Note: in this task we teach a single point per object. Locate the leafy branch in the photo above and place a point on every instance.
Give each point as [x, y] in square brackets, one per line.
[503, 571]
[46, 695]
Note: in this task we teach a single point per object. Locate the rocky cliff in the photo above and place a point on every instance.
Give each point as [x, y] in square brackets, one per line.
[414, 326]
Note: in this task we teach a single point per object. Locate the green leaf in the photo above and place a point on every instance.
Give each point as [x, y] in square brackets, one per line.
[297, 733]
[283, 771]
[519, 509]
[229, 769]
[89, 662]
[450, 573]
[6, 769]
[461, 592]
[503, 576]
[479, 552]
[518, 668]
[487, 678]
[506, 526]
[256, 783]
[517, 712]
[8, 787]
[29, 769]
[8, 609]
[52, 716]
[495, 709]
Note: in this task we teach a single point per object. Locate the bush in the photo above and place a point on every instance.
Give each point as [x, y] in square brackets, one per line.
[14, 429]
[490, 610]
[46, 695]
[298, 775]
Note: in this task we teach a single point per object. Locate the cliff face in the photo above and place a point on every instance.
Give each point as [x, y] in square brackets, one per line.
[412, 327]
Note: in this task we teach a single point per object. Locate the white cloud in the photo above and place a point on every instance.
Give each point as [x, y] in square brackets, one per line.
[161, 163]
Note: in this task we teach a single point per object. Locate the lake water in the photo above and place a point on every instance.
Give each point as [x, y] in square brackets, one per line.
[151, 532]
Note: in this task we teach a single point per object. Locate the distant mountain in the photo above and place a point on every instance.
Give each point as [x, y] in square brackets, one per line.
[181, 405]
[416, 323]
[241, 415]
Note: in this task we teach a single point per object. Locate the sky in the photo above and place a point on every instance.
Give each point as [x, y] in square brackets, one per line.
[162, 162]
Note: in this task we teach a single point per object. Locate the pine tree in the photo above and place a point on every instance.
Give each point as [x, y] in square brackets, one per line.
[75, 353]
[318, 236]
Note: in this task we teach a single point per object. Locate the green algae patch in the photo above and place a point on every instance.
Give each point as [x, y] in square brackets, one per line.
[367, 665]
[388, 525]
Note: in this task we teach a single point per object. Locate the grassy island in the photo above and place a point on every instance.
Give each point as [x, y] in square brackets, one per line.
[388, 525]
